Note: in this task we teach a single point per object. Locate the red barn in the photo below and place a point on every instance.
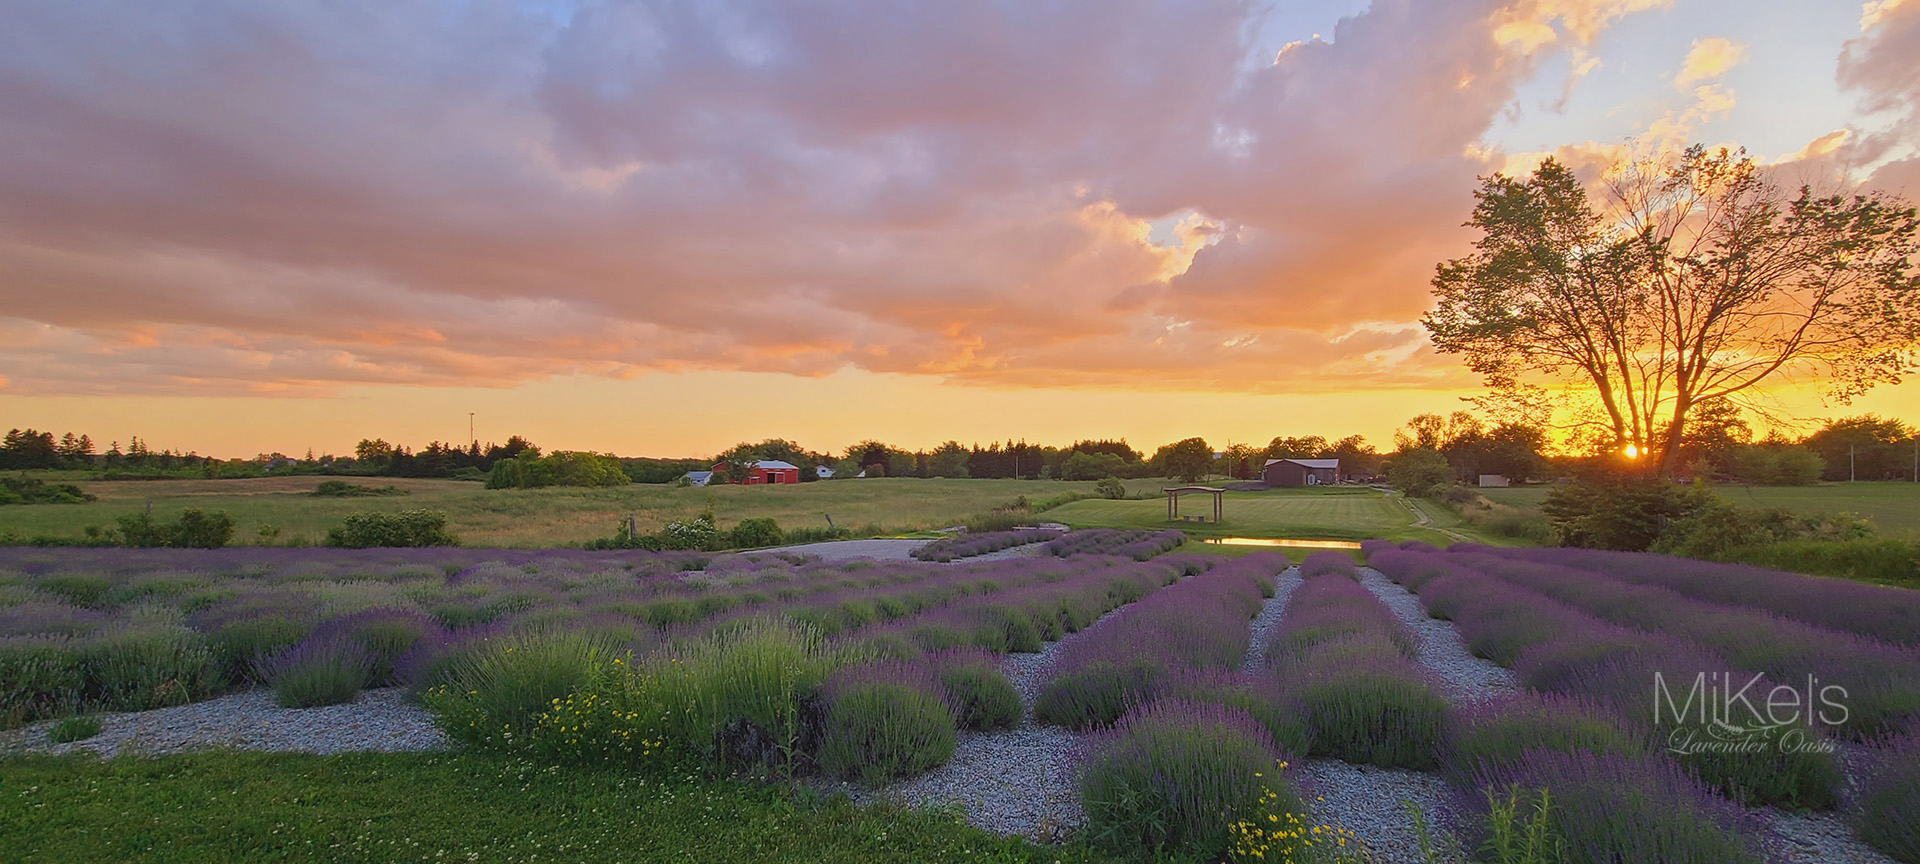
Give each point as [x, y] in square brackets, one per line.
[767, 471]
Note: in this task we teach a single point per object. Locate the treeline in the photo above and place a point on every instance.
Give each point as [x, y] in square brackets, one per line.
[1429, 449]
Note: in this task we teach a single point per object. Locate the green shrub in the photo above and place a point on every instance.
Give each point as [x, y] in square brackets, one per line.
[1110, 488]
[80, 589]
[1418, 472]
[1373, 716]
[148, 666]
[239, 645]
[194, 529]
[1096, 694]
[1175, 777]
[617, 717]
[885, 721]
[39, 676]
[327, 670]
[1888, 561]
[754, 533]
[343, 489]
[497, 689]
[70, 729]
[405, 528]
[1621, 513]
[27, 490]
[746, 691]
[979, 695]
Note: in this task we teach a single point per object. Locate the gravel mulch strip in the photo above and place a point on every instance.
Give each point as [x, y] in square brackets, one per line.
[376, 720]
[1465, 677]
[1269, 618]
[1017, 781]
[1815, 838]
[1368, 801]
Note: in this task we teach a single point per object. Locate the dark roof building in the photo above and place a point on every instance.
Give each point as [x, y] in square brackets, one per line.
[1301, 472]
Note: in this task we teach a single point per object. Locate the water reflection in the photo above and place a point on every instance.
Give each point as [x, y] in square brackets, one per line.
[1269, 541]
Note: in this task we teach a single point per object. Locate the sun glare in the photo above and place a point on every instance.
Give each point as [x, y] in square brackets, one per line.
[1633, 452]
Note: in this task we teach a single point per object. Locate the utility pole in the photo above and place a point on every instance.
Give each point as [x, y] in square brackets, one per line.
[470, 439]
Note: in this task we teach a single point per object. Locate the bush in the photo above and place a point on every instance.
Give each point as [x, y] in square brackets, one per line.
[1615, 808]
[70, 729]
[885, 721]
[749, 692]
[1369, 710]
[40, 675]
[1418, 472]
[26, 490]
[193, 530]
[1496, 732]
[324, 669]
[1110, 488]
[1621, 513]
[405, 528]
[148, 666]
[1887, 561]
[530, 470]
[1718, 530]
[1173, 777]
[384, 634]
[1889, 798]
[980, 697]
[343, 489]
[496, 689]
[754, 533]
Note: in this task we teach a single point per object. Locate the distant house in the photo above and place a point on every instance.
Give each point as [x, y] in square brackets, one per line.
[823, 472]
[699, 478]
[1493, 481]
[768, 472]
[1301, 472]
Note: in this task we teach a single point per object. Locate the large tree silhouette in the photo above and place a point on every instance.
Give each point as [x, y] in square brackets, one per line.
[1692, 281]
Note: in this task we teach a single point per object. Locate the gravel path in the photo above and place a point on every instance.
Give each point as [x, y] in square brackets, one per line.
[1269, 618]
[377, 720]
[848, 550]
[1018, 781]
[1465, 677]
[1369, 802]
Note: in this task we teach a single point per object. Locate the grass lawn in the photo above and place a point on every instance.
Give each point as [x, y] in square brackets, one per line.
[1894, 508]
[248, 807]
[540, 517]
[1330, 513]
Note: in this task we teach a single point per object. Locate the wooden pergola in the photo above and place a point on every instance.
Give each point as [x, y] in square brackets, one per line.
[1173, 501]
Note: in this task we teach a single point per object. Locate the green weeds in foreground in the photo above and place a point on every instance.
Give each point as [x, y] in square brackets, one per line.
[256, 807]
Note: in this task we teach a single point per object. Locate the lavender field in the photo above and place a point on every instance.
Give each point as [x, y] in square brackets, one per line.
[1204, 708]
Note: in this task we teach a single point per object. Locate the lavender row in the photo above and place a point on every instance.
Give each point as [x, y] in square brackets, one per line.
[969, 545]
[1138, 545]
[1881, 681]
[1890, 614]
[1556, 649]
[178, 636]
[1187, 637]
[1582, 737]
[1343, 655]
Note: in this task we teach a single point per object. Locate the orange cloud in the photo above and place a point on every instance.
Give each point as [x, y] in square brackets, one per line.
[1708, 59]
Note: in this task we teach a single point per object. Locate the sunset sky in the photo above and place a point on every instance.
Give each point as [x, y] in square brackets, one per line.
[657, 228]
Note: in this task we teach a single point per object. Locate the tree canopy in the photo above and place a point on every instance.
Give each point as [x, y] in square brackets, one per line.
[1693, 280]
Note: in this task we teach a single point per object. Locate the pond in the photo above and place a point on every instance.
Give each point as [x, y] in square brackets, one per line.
[1269, 541]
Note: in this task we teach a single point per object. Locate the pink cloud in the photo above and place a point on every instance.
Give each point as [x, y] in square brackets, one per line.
[247, 195]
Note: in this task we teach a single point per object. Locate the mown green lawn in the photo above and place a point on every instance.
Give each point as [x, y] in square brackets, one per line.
[540, 517]
[1330, 513]
[449, 807]
[1894, 508]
